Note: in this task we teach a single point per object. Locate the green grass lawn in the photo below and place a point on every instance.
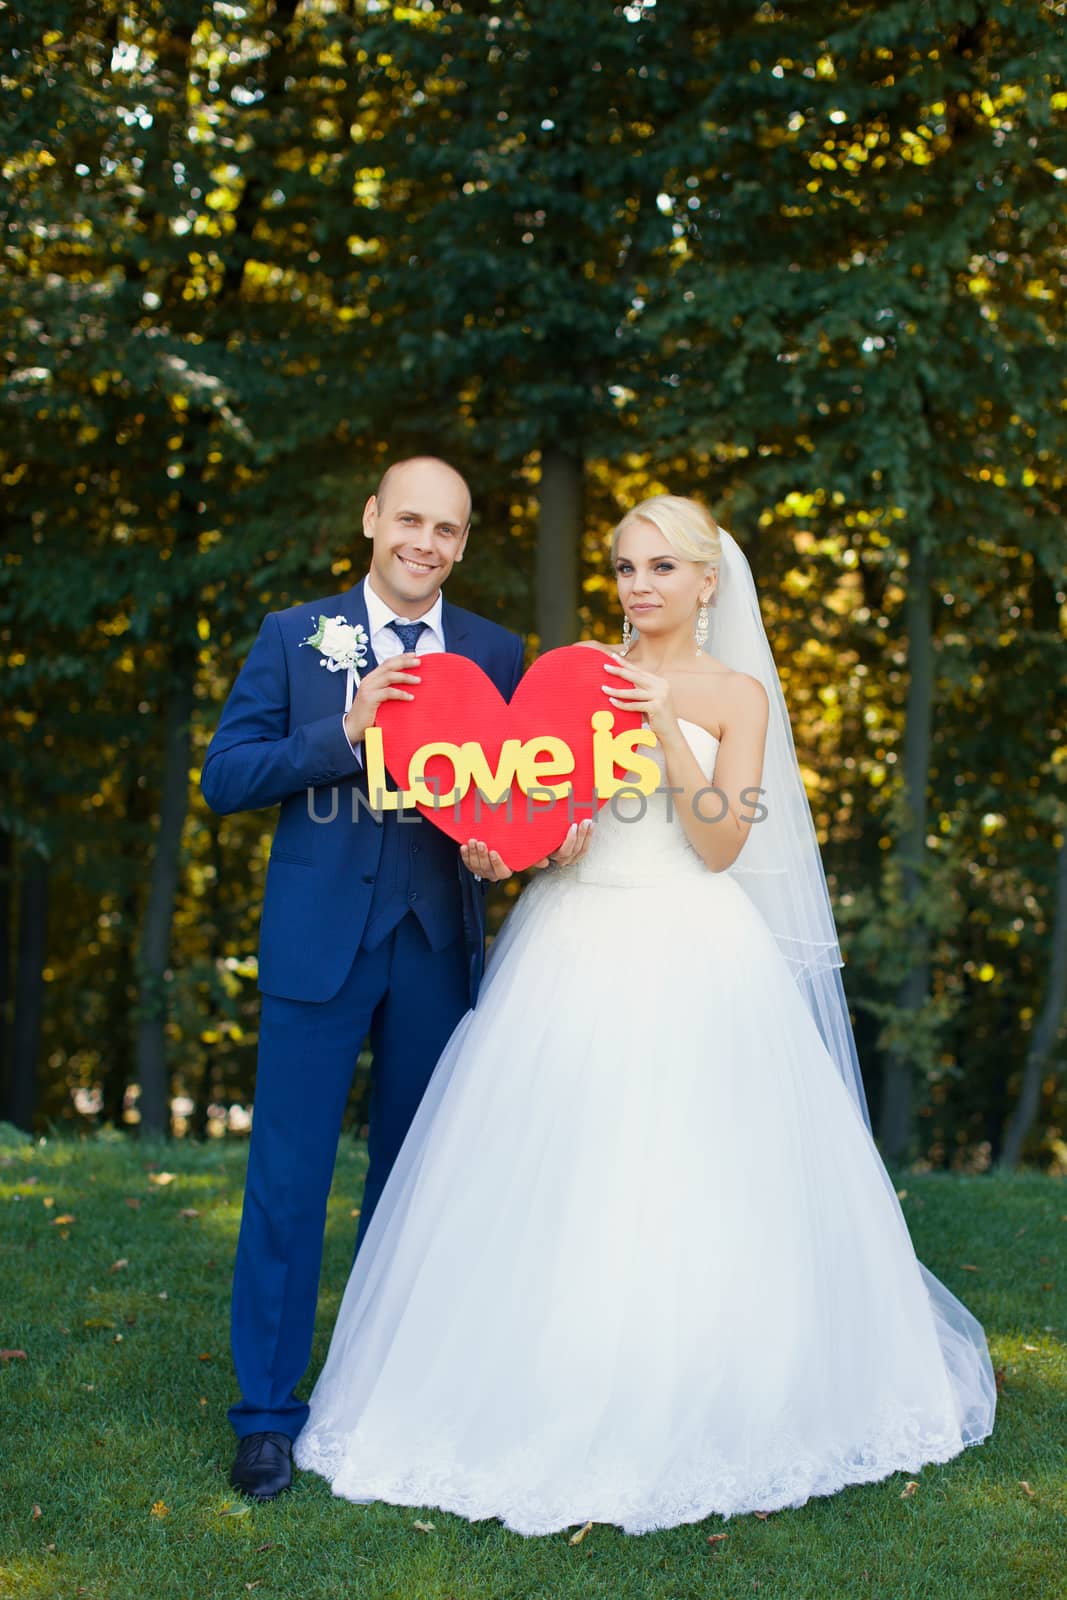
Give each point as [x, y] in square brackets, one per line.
[115, 1449]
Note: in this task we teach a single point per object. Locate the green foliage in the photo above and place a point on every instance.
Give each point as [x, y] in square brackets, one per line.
[805, 261]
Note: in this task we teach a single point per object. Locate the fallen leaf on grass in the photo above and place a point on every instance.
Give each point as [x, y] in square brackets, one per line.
[1031, 1494]
[576, 1538]
[206, 1356]
[133, 1202]
[12, 1355]
[117, 1266]
[161, 1178]
[160, 1509]
[1031, 1347]
[36, 1511]
[261, 1547]
[98, 1322]
[909, 1489]
[762, 1515]
[189, 1211]
[423, 1527]
[717, 1538]
[966, 1266]
[254, 1585]
[60, 1222]
[234, 1511]
[48, 1200]
[998, 1377]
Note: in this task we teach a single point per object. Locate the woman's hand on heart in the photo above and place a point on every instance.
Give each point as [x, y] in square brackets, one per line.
[575, 843]
[651, 695]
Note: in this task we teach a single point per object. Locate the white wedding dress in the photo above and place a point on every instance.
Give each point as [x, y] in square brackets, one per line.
[638, 1260]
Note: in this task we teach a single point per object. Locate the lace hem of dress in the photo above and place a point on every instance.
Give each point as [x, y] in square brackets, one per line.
[695, 1489]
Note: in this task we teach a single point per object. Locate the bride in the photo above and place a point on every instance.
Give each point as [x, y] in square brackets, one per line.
[638, 1260]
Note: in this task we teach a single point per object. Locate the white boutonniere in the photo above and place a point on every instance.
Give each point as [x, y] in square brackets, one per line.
[342, 645]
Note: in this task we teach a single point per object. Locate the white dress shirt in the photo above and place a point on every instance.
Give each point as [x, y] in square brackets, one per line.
[385, 643]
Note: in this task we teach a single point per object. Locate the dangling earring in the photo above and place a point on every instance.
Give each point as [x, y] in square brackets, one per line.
[700, 632]
[626, 634]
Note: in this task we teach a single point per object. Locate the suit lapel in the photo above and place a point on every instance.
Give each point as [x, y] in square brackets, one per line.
[458, 638]
[355, 610]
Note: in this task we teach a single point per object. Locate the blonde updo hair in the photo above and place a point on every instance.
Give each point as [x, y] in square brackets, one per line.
[688, 527]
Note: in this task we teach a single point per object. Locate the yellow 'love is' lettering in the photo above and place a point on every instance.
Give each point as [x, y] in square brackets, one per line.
[529, 762]
[620, 750]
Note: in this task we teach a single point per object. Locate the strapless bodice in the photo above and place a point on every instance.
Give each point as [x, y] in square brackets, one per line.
[639, 838]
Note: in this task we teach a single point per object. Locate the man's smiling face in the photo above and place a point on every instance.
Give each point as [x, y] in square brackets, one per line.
[418, 522]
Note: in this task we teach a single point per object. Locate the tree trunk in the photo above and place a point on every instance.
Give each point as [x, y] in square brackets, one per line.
[896, 1105]
[154, 956]
[1048, 1026]
[6, 860]
[203, 1092]
[119, 1069]
[559, 535]
[29, 988]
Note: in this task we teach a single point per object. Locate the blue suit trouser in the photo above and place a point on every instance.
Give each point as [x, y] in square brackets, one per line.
[409, 999]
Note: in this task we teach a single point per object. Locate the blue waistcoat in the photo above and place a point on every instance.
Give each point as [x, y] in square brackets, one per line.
[417, 873]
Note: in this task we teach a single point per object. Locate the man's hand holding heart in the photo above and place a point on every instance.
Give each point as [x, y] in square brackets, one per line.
[384, 683]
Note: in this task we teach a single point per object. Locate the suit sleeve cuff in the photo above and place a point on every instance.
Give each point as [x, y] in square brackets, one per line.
[356, 749]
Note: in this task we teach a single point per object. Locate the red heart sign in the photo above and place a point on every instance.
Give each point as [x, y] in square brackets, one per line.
[520, 743]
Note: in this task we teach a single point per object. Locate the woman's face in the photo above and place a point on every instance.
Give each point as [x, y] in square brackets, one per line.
[659, 591]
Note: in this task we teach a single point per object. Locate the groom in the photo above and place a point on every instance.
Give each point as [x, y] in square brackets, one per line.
[368, 926]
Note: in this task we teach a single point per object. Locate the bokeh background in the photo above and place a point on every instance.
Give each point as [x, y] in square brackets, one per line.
[805, 261]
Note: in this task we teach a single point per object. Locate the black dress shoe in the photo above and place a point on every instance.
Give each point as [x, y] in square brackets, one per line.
[263, 1466]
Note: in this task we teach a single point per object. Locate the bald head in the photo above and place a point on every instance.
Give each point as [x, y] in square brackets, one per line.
[399, 469]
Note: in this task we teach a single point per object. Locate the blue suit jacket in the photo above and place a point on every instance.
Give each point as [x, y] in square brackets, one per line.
[280, 735]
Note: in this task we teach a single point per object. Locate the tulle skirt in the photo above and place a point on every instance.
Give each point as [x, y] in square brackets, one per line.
[638, 1260]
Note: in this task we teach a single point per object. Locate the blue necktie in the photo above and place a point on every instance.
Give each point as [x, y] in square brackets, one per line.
[407, 632]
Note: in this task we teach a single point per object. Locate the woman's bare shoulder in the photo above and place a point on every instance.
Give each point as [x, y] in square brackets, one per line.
[720, 698]
[737, 695]
[594, 644]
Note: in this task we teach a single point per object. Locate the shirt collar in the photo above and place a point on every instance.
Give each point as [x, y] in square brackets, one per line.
[379, 615]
